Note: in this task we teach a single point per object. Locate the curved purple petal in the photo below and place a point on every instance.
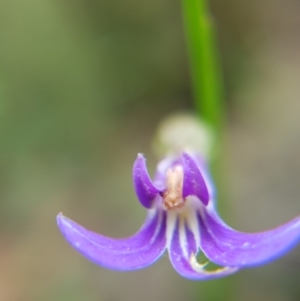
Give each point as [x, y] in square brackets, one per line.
[145, 190]
[226, 246]
[135, 252]
[204, 168]
[182, 254]
[193, 182]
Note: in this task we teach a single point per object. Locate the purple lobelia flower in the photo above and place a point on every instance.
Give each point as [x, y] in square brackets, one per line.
[181, 218]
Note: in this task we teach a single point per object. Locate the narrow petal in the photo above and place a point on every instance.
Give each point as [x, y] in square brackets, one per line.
[204, 168]
[182, 254]
[132, 253]
[144, 188]
[226, 246]
[193, 182]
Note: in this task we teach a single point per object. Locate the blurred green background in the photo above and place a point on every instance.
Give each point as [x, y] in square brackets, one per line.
[83, 85]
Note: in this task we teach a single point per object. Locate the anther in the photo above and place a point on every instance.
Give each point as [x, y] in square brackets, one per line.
[172, 196]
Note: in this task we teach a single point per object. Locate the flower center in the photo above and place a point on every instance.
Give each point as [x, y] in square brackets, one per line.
[172, 196]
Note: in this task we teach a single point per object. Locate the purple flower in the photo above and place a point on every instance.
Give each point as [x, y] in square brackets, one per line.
[181, 218]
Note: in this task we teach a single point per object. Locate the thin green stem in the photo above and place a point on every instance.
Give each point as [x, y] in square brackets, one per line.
[208, 95]
[204, 62]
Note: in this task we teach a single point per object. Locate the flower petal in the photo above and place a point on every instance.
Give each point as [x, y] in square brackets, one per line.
[135, 252]
[226, 246]
[182, 254]
[204, 168]
[193, 182]
[144, 188]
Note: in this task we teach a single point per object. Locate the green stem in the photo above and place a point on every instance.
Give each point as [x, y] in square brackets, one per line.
[204, 63]
[208, 96]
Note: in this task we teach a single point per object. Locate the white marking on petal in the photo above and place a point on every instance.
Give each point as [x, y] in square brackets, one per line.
[189, 211]
[199, 268]
[246, 245]
[159, 223]
[210, 207]
[171, 226]
[152, 212]
[182, 237]
[187, 215]
[192, 222]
